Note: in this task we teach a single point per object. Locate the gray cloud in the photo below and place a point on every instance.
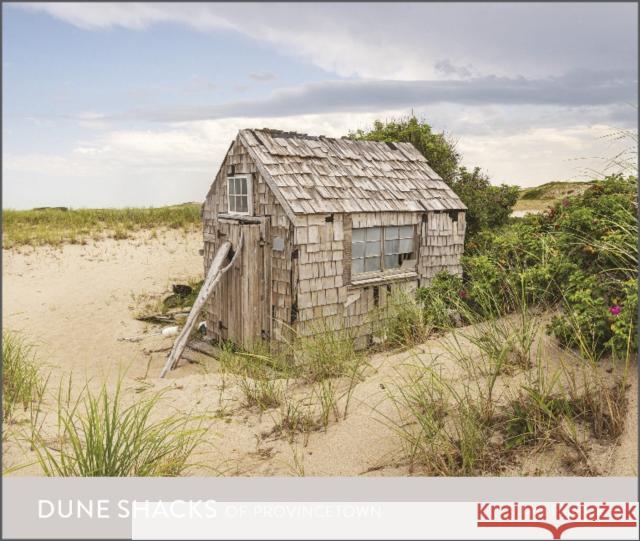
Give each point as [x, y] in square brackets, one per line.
[574, 89]
[447, 68]
[354, 39]
[262, 77]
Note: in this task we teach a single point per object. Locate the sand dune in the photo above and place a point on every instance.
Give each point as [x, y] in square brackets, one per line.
[76, 304]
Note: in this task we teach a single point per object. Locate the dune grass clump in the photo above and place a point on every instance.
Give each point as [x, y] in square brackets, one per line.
[262, 393]
[403, 321]
[441, 429]
[326, 353]
[100, 435]
[295, 417]
[22, 381]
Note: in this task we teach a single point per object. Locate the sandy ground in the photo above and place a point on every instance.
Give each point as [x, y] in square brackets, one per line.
[76, 304]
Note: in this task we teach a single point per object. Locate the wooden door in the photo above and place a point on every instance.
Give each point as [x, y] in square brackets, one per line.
[244, 292]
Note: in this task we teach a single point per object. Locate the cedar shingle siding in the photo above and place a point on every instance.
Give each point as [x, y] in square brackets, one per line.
[307, 195]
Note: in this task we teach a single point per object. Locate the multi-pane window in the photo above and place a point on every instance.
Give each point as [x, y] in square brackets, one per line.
[366, 249]
[380, 248]
[238, 194]
[398, 245]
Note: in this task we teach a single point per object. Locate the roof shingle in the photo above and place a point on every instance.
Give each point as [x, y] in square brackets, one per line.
[324, 175]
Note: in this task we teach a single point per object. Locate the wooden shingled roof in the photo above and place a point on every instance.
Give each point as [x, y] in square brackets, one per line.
[315, 175]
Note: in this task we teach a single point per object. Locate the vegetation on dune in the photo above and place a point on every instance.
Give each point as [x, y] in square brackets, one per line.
[553, 191]
[578, 261]
[55, 226]
[22, 380]
[579, 257]
[100, 435]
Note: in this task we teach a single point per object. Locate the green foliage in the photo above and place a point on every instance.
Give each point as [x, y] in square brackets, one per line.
[581, 256]
[440, 300]
[101, 436]
[487, 206]
[404, 321]
[437, 148]
[22, 383]
[328, 353]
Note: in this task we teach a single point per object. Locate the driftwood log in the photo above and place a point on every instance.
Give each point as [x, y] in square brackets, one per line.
[213, 277]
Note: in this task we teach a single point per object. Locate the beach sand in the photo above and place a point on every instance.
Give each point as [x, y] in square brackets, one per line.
[77, 304]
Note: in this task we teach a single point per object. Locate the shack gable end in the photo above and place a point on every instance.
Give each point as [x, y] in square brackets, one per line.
[264, 205]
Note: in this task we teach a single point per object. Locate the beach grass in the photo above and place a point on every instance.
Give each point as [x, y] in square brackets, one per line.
[60, 225]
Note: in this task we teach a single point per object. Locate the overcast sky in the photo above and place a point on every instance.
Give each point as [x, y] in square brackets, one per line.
[135, 104]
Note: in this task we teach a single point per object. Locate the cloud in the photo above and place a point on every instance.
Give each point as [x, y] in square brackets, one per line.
[177, 163]
[527, 90]
[577, 88]
[262, 76]
[448, 69]
[402, 41]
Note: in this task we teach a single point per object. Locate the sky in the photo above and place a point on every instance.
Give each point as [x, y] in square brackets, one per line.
[111, 105]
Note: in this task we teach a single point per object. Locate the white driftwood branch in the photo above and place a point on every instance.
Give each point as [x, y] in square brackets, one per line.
[213, 277]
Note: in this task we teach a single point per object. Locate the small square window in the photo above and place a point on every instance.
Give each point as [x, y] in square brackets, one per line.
[239, 195]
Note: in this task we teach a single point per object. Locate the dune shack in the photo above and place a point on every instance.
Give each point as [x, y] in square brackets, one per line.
[300, 230]
[330, 227]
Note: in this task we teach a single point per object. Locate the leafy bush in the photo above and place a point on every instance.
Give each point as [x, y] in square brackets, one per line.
[580, 256]
[488, 206]
[404, 321]
[440, 300]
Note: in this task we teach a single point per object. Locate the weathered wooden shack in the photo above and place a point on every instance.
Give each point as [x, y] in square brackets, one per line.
[330, 227]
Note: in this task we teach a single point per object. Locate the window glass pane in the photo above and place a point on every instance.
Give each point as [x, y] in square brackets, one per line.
[391, 261]
[357, 235]
[406, 246]
[391, 232]
[373, 248]
[357, 249]
[357, 266]
[242, 203]
[243, 185]
[372, 264]
[232, 203]
[373, 233]
[391, 247]
[406, 231]
[230, 187]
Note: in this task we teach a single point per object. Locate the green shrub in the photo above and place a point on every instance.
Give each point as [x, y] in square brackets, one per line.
[404, 321]
[441, 300]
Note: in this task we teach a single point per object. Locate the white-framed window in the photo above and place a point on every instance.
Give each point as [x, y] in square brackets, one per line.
[239, 194]
[376, 249]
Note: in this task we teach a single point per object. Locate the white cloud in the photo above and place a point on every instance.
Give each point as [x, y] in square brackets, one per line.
[401, 41]
[177, 163]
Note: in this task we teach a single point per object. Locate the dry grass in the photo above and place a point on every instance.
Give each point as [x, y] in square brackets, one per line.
[478, 419]
[56, 226]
